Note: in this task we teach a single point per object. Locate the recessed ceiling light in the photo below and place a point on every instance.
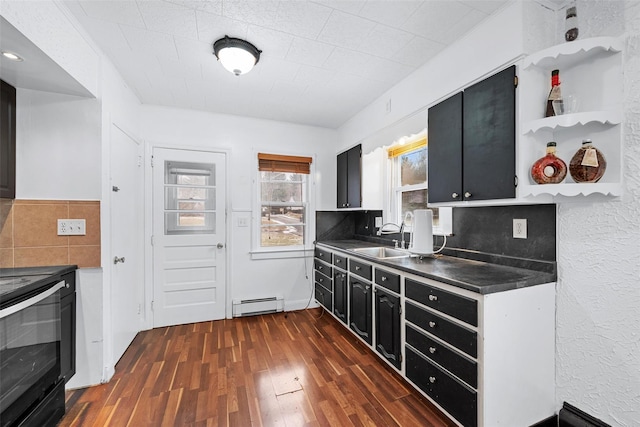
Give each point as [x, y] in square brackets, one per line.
[12, 56]
[236, 55]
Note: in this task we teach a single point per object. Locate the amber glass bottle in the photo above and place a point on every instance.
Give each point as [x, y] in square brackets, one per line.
[554, 93]
[549, 169]
[588, 164]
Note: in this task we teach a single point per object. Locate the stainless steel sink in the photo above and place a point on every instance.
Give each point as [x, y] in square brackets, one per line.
[382, 252]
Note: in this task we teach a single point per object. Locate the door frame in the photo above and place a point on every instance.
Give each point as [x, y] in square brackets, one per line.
[148, 227]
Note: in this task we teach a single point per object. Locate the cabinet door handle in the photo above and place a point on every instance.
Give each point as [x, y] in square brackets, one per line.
[467, 195]
[432, 380]
[367, 287]
[432, 350]
[347, 204]
[454, 195]
[432, 324]
[384, 278]
[433, 298]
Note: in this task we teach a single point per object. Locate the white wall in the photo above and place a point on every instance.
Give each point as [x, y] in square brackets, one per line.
[57, 146]
[598, 290]
[598, 316]
[243, 138]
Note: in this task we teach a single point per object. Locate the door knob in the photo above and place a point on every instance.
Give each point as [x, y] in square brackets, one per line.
[117, 260]
[220, 245]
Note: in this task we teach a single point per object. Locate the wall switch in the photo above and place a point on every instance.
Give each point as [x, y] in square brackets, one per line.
[243, 222]
[378, 221]
[519, 228]
[72, 227]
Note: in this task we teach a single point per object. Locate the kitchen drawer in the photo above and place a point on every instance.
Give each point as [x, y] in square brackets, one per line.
[324, 255]
[325, 281]
[458, 306]
[456, 335]
[323, 268]
[362, 269]
[455, 397]
[388, 280]
[324, 297]
[459, 365]
[340, 261]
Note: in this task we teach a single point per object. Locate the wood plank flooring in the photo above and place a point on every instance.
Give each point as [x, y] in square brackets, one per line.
[288, 369]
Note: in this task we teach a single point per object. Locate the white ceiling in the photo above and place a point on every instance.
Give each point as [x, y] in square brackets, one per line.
[322, 61]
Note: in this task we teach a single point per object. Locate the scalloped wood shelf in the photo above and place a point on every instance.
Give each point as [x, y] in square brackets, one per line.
[610, 118]
[572, 189]
[570, 53]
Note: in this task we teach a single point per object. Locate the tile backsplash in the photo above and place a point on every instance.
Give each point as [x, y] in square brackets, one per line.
[29, 233]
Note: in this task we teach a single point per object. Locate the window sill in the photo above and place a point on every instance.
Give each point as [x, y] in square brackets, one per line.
[281, 253]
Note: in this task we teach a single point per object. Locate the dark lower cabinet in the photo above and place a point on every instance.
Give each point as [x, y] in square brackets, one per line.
[360, 308]
[453, 395]
[68, 327]
[340, 295]
[387, 309]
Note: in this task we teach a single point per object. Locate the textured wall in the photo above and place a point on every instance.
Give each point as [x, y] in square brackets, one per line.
[598, 302]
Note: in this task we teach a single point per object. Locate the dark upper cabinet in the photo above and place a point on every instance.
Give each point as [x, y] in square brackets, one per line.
[7, 141]
[387, 320]
[472, 142]
[350, 178]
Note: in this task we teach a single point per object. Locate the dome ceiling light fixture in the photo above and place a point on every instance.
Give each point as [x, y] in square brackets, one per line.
[236, 55]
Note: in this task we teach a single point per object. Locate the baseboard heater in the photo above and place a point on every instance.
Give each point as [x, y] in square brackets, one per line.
[570, 416]
[256, 306]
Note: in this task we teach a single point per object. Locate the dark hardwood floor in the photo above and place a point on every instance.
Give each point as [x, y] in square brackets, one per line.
[287, 369]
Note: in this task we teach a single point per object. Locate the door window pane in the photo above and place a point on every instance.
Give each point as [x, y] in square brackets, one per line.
[189, 198]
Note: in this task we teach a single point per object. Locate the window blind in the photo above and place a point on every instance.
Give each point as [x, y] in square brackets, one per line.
[282, 163]
[399, 150]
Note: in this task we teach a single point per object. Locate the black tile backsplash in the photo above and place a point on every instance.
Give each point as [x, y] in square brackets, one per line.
[482, 233]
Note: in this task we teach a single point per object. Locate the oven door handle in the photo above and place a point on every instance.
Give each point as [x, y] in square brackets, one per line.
[31, 301]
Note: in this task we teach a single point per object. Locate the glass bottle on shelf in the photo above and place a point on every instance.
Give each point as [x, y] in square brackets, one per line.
[588, 164]
[554, 94]
[549, 169]
[571, 23]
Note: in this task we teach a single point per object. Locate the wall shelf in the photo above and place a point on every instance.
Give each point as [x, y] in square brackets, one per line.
[570, 53]
[591, 71]
[610, 118]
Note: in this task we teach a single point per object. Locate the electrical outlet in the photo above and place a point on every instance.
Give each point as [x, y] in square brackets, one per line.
[519, 228]
[72, 227]
[378, 221]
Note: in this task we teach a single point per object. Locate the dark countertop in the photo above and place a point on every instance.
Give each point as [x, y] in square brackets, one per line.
[22, 283]
[476, 276]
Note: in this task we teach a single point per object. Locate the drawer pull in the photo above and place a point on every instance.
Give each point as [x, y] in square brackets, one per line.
[320, 254]
[454, 195]
[432, 324]
[357, 267]
[338, 261]
[432, 380]
[321, 280]
[384, 278]
[433, 298]
[319, 267]
[432, 350]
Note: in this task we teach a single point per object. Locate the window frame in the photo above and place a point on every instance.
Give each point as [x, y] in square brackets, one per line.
[404, 146]
[285, 251]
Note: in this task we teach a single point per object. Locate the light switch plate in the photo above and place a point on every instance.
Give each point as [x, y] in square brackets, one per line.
[243, 222]
[519, 228]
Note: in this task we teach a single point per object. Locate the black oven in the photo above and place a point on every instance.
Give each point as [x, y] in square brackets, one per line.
[31, 391]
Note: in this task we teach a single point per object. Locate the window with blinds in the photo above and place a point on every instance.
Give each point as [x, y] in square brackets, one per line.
[283, 182]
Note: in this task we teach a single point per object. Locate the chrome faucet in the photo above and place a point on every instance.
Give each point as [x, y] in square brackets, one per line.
[402, 226]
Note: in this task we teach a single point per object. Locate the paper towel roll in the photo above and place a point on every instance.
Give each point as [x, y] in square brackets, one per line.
[422, 232]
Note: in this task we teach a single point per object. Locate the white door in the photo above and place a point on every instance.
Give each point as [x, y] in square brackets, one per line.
[189, 236]
[127, 236]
